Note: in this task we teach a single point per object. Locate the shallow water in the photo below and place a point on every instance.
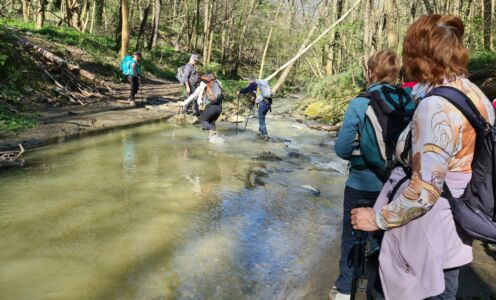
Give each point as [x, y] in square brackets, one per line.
[157, 212]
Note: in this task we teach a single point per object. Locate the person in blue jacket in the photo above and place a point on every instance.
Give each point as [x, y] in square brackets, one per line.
[383, 68]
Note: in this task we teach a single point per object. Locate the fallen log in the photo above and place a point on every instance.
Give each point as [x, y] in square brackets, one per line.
[60, 62]
[12, 158]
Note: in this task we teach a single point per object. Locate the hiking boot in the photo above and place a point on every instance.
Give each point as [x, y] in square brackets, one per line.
[265, 138]
[334, 294]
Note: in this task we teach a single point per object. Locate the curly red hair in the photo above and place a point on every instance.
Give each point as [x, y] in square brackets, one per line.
[433, 49]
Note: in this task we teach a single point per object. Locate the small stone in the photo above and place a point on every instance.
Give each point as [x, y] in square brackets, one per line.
[311, 189]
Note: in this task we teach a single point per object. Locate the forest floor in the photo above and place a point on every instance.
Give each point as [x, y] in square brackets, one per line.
[157, 100]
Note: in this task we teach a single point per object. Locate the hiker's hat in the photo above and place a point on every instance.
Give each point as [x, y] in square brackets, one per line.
[195, 57]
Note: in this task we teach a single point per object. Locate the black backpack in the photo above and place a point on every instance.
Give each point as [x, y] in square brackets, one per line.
[475, 211]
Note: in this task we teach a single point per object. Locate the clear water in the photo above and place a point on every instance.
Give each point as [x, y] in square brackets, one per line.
[157, 212]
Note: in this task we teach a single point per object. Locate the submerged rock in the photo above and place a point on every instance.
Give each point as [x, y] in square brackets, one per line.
[311, 189]
[298, 157]
[255, 176]
[267, 156]
[279, 140]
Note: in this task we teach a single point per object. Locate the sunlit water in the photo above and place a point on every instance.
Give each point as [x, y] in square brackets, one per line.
[157, 212]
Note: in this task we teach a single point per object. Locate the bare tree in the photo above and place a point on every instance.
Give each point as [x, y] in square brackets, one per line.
[26, 10]
[125, 28]
[141, 33]
[156, 23]
[40, 14]
[487, 17]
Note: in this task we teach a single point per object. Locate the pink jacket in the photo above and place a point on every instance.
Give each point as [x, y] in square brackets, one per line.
[421, 239]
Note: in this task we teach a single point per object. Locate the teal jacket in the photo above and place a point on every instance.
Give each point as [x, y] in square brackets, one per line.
[346, 142]
[131, 72]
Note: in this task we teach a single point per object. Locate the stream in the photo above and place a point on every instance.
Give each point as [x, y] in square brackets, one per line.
[157, 212]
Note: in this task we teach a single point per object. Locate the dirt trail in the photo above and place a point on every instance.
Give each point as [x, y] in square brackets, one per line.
[158, 102]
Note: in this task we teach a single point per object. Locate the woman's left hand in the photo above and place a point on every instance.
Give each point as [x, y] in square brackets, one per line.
[363, 219]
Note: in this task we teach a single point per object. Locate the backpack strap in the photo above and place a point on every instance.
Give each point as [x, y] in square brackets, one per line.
[469, 110]
[464, 105]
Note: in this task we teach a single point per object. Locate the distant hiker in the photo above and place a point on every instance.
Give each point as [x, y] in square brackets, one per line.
[214, 97]
[357, 142]
[422, 248]
[131, 69]
[190, 79]
[261, 94]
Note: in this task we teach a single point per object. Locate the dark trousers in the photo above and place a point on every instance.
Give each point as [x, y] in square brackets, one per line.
[263, 109]
[351, 199]
[210, 115]
[451, 283]
[135, 85]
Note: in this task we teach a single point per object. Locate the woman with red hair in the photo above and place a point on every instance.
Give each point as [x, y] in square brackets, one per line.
[422, 249]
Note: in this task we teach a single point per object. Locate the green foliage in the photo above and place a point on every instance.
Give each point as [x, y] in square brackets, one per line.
[213, 67]
[481, 60]
[10, 123]
[327, 99]
[231, 86]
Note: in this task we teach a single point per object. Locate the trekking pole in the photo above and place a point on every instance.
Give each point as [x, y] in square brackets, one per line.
[248, 118]
[237, 116]
[356, 263]
[141, 90]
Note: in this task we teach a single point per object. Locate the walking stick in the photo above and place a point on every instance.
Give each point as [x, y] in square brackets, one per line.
[237, 116]
[357, 252]
[248, 118]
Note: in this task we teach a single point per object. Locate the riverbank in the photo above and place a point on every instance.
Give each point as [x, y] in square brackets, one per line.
[159, 101]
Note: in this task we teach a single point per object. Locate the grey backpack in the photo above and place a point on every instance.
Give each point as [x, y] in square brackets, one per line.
[180, 74]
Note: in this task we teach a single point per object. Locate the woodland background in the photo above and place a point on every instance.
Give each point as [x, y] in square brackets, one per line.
[239, 38]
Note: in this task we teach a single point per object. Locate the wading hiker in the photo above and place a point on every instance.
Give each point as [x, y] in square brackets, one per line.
[197, 96]
[188, 75]
[213, 96]
[443, 157]
[359, 141]
[262, 95]
[131, 69]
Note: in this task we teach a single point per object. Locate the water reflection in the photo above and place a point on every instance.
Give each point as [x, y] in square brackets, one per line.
[158, 213]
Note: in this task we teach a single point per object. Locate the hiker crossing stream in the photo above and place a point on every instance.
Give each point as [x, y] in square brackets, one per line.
[157, 212]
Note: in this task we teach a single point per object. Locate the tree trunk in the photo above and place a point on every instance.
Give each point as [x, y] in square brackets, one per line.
[26, 10]
[85, 15]
[304, 50]
[118, 32]
[40, 14]
[331, 55]
[125, 28]
[156, 22]
[93, 16]
[367, 31]
[210, 45]
[493, 12]
[428, 7]
[390, 22]
[141, 33]
[287, 70]
[260, 73]
[206, 29]
[197, 23]
[487, 17]
[177, 43]
[99, 5]
[243, 37]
